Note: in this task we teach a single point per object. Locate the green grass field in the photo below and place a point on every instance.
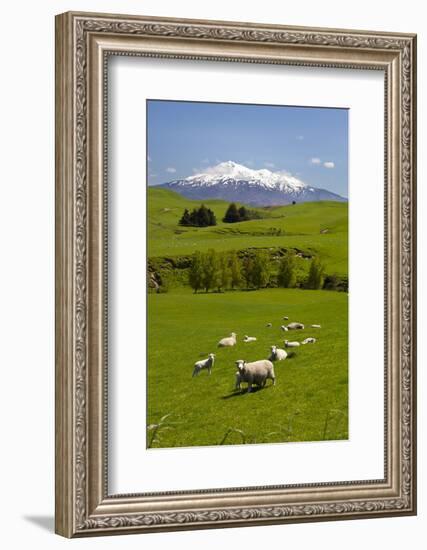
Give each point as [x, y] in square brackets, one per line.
[300, 226]
[310, 399]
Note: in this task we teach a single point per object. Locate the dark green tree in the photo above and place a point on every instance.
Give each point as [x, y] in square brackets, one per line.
[232, 215]
[243, 214]
[186, 218]
[316, 274]
[286, 276]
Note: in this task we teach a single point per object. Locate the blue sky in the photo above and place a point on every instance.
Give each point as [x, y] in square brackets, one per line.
[311, 143]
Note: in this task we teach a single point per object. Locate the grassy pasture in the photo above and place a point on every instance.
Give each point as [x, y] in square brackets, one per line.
[309, 401]
[294, 226]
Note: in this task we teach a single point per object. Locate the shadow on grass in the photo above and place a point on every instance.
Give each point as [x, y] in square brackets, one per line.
[237, 393]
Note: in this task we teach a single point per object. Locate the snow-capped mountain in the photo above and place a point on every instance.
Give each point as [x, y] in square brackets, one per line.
[234, 182]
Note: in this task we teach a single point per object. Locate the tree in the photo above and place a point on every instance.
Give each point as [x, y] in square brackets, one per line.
[232, 214]
[211, 270]
[186, 218]
[243, 214]
[195, 276]
[286, 277]
[199, 217]
[211, 217]
[248, 267]
[235, 270]
[224, 272]
[261, 269]
[316, 274]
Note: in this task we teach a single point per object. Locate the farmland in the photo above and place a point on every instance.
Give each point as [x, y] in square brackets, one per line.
[310, 400]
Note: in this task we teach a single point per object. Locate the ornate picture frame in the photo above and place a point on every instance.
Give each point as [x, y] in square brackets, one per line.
[84, 506]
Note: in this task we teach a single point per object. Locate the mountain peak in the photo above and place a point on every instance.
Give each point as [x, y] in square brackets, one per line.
[230, 180]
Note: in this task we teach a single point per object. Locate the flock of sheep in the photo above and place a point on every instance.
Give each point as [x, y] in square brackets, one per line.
[256, 372]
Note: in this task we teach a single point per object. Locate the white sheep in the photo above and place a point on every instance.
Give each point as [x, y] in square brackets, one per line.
[291, 344]
[309, 341]
[295, 326]
[247, 339]
[285, 318]
[277, 354]
[229, 341]
[254, 373]
[204, 364]
[316, 326]
[284, 328]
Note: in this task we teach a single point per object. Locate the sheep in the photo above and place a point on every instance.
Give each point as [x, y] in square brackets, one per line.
[248, 339]
[268, 325]
[309, 341]
[291, 344]
[284, 328]
[229, 341]
[316, 326]
[254, 373]
[295, 326]
[204, 364]
[277, 354]
[285, 318]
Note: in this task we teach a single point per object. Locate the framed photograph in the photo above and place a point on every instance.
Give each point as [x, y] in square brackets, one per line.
[235, 274]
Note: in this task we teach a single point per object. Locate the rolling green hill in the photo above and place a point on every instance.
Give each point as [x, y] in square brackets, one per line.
[318, 228]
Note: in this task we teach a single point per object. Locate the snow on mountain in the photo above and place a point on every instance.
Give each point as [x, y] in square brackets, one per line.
[234, 182]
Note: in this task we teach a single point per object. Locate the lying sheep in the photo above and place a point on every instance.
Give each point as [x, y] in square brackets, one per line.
[315, 326]
[291, 344]
[247, 339]
[284, 328]
[309, 341]
[229, 341]
[254, 373]
[204, 364]
[295, 326]
[277, 354]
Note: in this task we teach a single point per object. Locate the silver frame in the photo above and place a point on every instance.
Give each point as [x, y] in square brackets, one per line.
[83, 43]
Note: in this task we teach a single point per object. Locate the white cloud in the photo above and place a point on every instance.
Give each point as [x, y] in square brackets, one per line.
[269, 164]
[329, 164]
[171, 170]
[315, 160]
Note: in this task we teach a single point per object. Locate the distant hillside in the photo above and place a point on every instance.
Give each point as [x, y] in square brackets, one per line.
[317, 228]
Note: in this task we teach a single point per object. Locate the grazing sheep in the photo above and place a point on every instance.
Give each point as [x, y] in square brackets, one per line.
[291, 344]
[309, 341]
[285, 318]
[254, 373]
[277, 354]
[247, 339]
[295, 326]
[228, 342]
[204, 364]
[284, 328]
[316, 326]
[268, 325]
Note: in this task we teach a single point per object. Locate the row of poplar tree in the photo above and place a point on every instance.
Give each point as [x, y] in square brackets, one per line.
[219, 271]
